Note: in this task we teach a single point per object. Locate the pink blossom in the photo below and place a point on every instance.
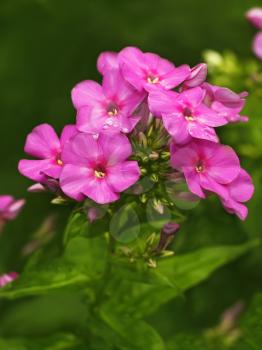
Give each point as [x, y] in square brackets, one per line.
[9, 208]
[240, 190]
[207, 166]
[107, 108]
[98, 168]
[225, 102]
[44, 144]
[197, 76]
[185, 115]
[254, 16]
[106, 61]
[257, 45]
[7, 278]
[147, 70]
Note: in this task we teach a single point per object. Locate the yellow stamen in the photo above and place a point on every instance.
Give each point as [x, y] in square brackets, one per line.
[99, 174]
[199, 168]
[112, 112]
[59, 162]
[189, 118]
[152, 80]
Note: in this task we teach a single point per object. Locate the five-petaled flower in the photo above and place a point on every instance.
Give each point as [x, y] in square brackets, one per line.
[184, 115]
[147, 70]
[98, 168]
[107, 108]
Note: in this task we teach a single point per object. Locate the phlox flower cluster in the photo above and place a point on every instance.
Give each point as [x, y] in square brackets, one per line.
[95, 157]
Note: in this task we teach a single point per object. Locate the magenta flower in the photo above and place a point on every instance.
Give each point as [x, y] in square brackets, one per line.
[98, 168]
[225, 102]
[146, 70]
[8, 278]
[197, 76]
[9, 208]
[257, 45]
[44, 144]
[185, 115]
[254, 16]
[240, 190]
[106, 61]
[107, 108]
[207, 166]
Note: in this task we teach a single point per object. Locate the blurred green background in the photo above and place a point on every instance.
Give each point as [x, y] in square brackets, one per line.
[47, 46]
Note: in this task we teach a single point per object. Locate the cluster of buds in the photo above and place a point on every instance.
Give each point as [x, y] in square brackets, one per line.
[147, 120]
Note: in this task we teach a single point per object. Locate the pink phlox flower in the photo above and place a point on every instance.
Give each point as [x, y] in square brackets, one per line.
[225, 102]
[240, 190]
[254, 15]
[257, 45]
[147, 70]
[207, 166]
[197, 76]
[184, 114]
[108, 108]
[44, 144]
[8, 278]
[10, 207]
[98, 168]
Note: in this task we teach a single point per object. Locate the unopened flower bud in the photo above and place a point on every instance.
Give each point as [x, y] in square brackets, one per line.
[167, 235]
[154, 155]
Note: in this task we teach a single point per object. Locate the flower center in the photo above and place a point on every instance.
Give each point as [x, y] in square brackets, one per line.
[151, 79]
[200, 167]
[112, 110]
[188, 114]
[99, 172]
[59, 161]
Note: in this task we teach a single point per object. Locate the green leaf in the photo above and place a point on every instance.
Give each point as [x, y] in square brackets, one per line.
[83, 262]
[182, 272]
[125, 333]
[61, 341]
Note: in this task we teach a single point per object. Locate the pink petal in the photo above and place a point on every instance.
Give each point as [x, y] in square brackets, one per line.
[209, 117]
[132, 66]
[177, 127]
[14, 209]
[211, 185]
[107, 61]
[128, 124]
[83, 150]
[228, 98]
[87, 93]
[115, 148]
[100, 191]
[42, 142]
[67, 133]
[175, 77]
[5, 201]
[123, 175]
[193, 97]
[34, 169]
[197, 76]
[254, 16]
[193, 182]
[257, 45]
[162, 102]
[200, 131]
[185, 157]
[74, 180]
[223, 165]
[241, 189]
[234, 207]
[91, 120]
